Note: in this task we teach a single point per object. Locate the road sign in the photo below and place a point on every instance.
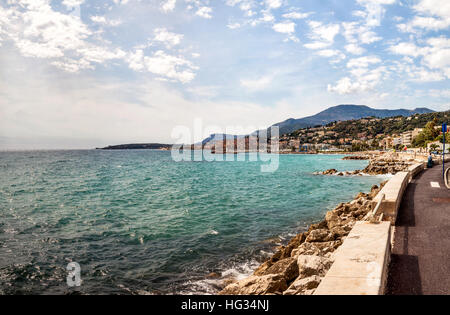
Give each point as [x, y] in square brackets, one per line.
[444, 127]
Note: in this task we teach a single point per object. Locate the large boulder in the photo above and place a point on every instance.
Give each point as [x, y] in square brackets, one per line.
[261, 270]
[303, 286]
[310, 265]
[320, 225]
[339, 232]
[317, 248]
[319, 235]
[257, 285]
[293, 243]
[332, 219]
[287, 268]
[330, 172]
[327, 247]
[306, 249]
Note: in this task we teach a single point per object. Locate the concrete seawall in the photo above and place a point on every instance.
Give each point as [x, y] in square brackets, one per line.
[360, 266]
[361, 263]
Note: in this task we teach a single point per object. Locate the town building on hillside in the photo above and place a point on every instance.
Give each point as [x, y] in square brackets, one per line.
[321, 133]
[387, 142]
[307, 147]
[397, 141]
[322, 146]
[406, 138]
[295, 143]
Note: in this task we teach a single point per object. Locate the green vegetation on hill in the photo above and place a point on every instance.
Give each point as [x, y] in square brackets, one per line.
[429, 134]
[366, 133]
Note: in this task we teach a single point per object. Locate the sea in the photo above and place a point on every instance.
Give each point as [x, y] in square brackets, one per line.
[139, 222]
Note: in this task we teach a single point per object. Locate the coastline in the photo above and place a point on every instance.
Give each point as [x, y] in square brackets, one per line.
[298, 267]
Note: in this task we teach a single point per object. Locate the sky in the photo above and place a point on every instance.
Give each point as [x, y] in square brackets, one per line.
[88, 73]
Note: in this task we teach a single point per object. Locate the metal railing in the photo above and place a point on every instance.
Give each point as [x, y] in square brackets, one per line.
[373, 213]
[447, 178]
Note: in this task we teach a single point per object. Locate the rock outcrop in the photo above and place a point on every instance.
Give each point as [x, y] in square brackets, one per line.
[303, 286]
[257, 285]
[378, 165]
[388, 166]
[356, 157]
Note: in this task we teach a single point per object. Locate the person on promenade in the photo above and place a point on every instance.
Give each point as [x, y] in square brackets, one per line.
[430, 161]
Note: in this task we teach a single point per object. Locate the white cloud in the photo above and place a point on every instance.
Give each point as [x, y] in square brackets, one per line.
[407, 49]
[374, 10]
[322, 34]
[336, 55]
[204, 12]
[363, 62]
[423, 75]
[164, 65]
[437, 8]
[432, 15]
[345, 86]
[256, 84]
[286, 27]
[104, 21]
[435, 56]
[355, 33]
[328, 52]
[68, 44]
[233, 26]
[168, 5]
[364, 80]
[296, 15]
[168, 38]
[354, 49]
[273, 4]
[317, 45]
[72, 3]
[121, 2]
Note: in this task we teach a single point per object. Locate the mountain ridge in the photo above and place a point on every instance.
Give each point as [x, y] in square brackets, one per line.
[344, 112]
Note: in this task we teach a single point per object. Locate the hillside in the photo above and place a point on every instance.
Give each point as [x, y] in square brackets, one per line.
[344, 113]
[345, 132]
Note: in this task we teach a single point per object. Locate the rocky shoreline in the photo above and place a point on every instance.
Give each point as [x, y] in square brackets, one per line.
[299, 267]
[378, 165]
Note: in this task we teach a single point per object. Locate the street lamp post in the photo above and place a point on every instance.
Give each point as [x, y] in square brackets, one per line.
[444, 130]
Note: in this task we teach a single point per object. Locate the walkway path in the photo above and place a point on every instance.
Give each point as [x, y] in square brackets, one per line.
[421, 255]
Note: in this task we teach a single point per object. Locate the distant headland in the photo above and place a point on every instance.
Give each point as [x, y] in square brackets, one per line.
[138, 146]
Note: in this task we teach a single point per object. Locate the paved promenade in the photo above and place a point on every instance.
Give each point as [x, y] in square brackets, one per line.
[421, 254]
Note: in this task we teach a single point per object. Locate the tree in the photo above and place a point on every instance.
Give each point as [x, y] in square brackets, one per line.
[433, 147]
[375, 144]
[440, 138]
[429, 133]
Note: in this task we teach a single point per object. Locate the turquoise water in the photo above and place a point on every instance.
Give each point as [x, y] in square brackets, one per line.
[138, 222]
